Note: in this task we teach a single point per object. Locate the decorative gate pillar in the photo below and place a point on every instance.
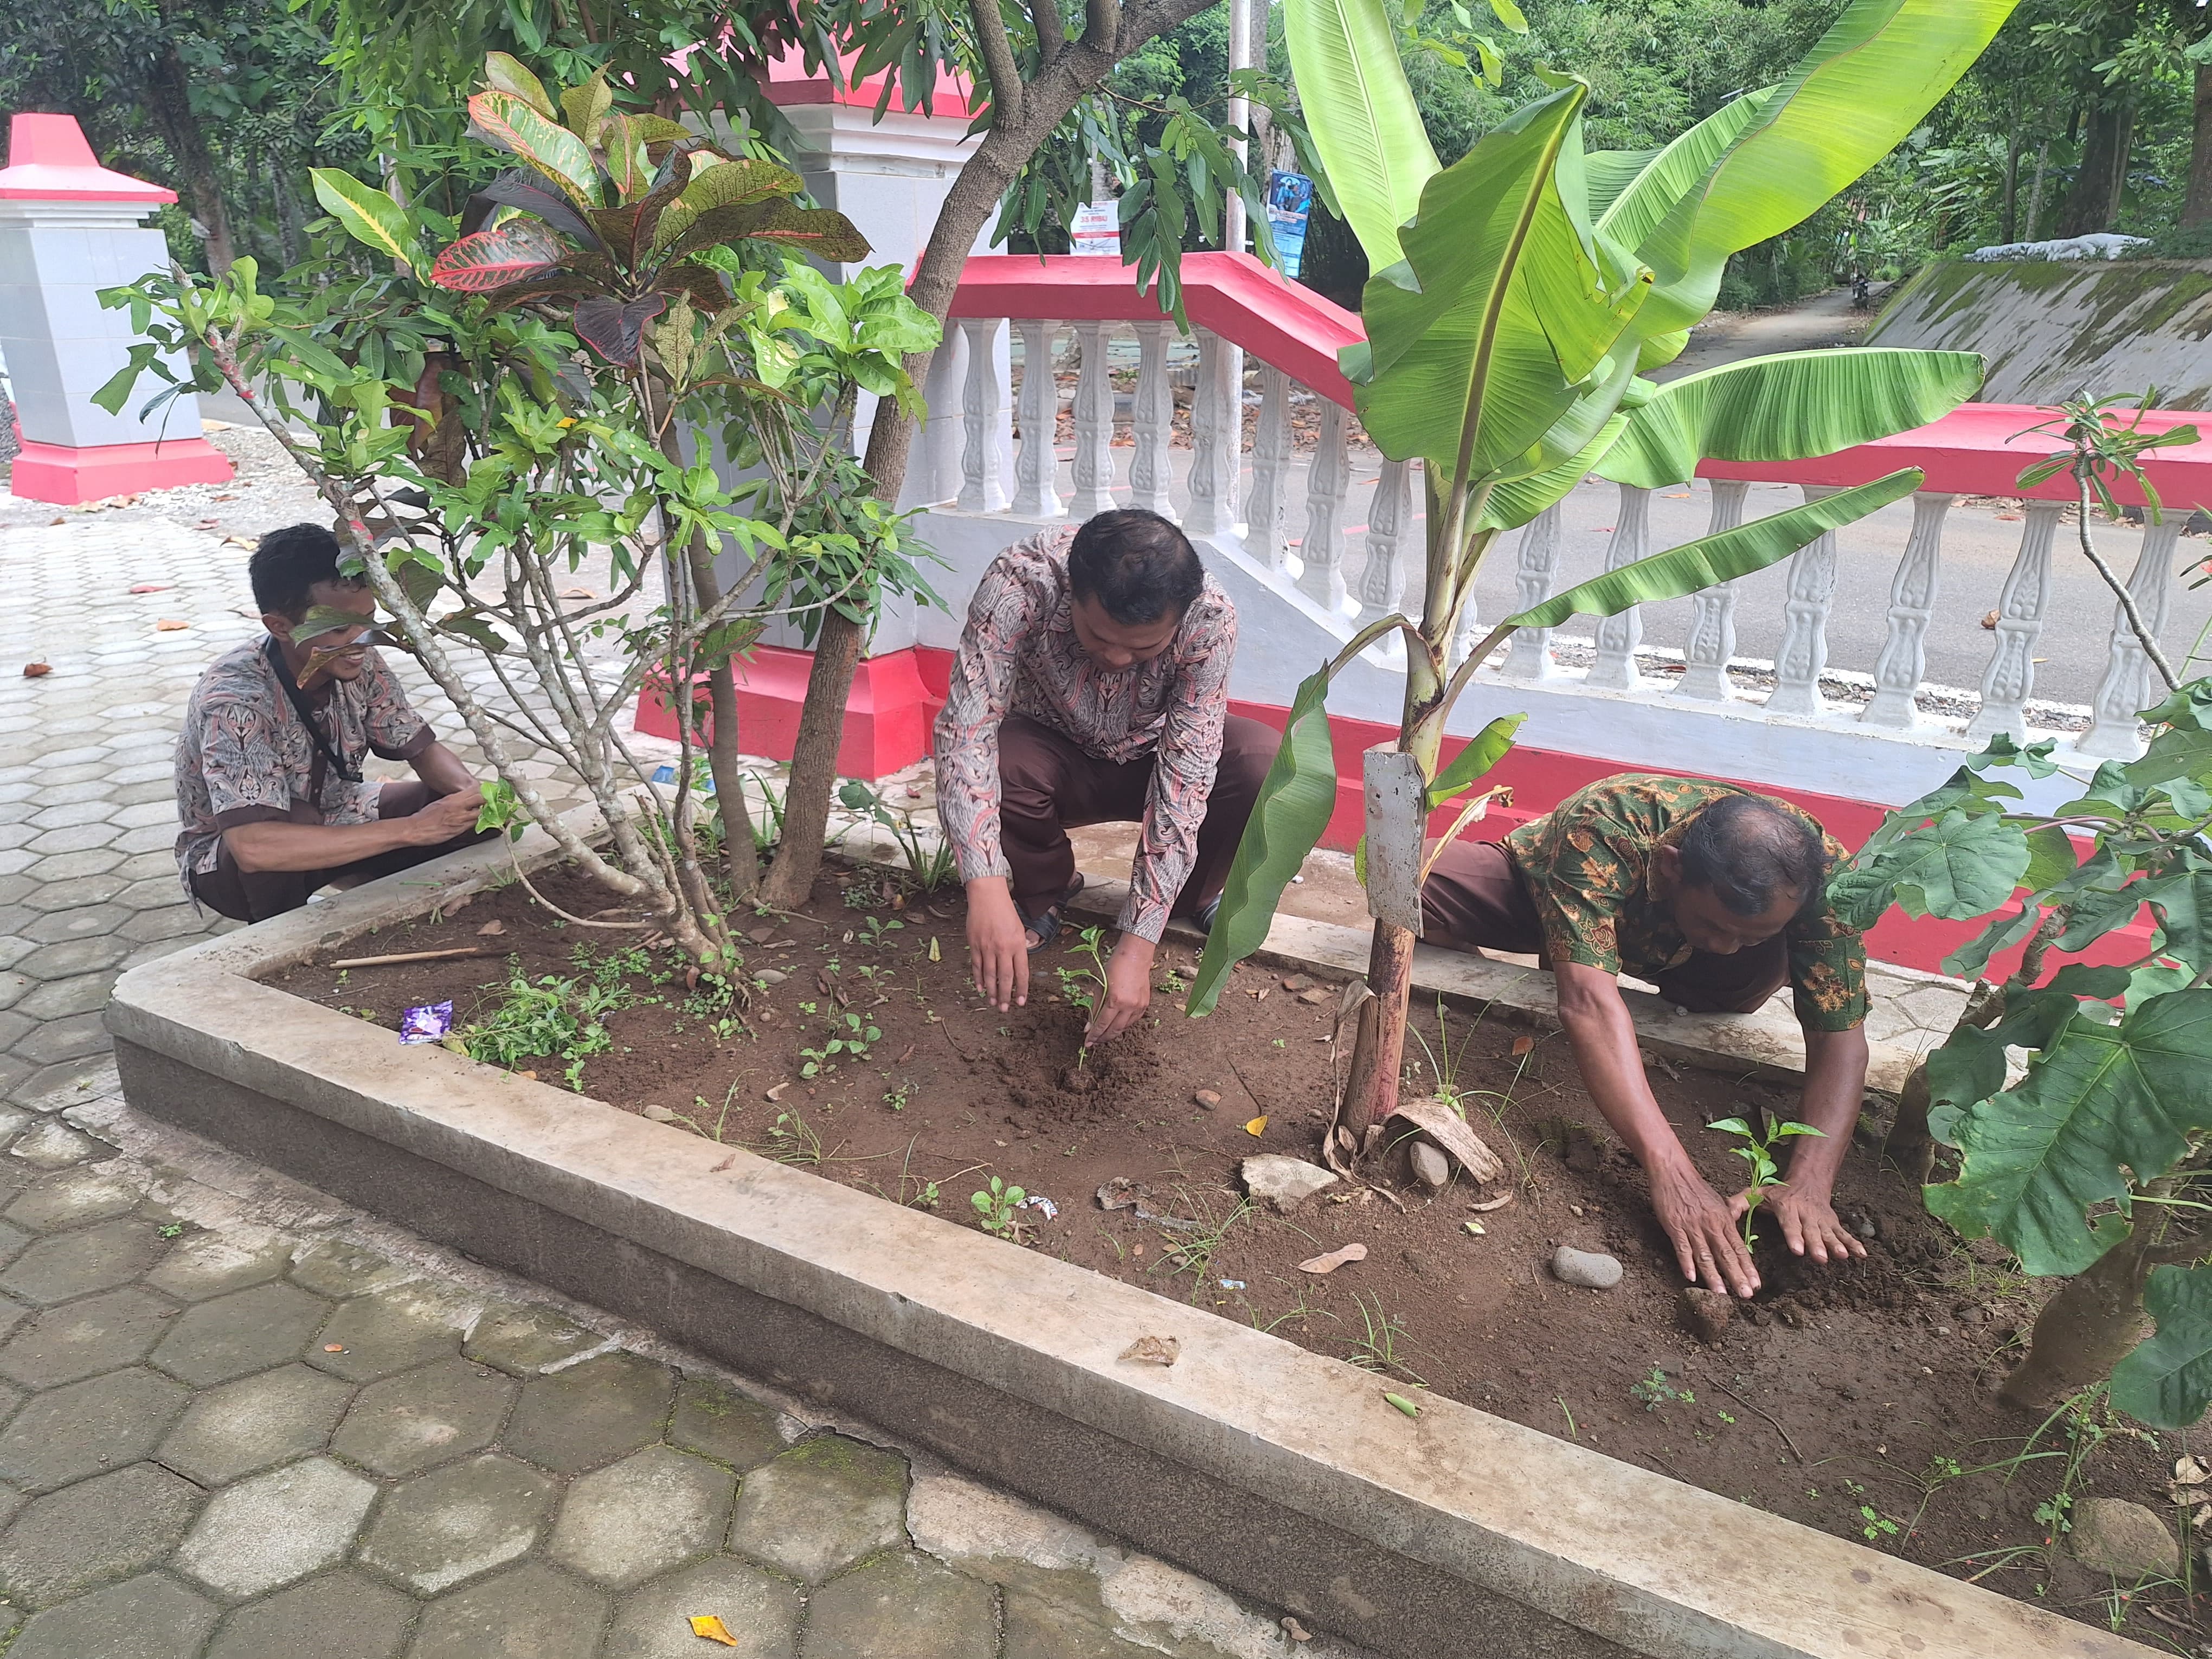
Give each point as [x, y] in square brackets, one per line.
[69, 228]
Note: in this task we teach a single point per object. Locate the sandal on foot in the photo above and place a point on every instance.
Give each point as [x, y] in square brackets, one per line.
[1046, 926]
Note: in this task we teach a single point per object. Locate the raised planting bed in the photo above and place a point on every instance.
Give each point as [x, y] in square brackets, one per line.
[1583, 1475]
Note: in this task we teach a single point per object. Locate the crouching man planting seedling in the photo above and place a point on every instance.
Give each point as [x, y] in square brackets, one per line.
[1716, 896]
[1092, 686]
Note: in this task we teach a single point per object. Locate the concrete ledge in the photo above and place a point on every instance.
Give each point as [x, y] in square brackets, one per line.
[1277, 1472]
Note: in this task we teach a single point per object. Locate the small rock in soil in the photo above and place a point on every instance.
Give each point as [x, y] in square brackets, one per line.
[770, 977]
[1430, 1167]
[1705, 1314]
[2125, 1540]
[1314, 998]
[1282, 1183]
[762, 934]
[1207, 1098]
[1590, 1268]
[1297, 983]
[658, 1114]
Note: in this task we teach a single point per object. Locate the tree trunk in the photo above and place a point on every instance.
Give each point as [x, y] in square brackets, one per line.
[2087, 1328]
[2094, 201]
[1909, 1145]
[2035, 195]
[173, 108]
[2008, 220]
[1378, 1058]
[2197, 206]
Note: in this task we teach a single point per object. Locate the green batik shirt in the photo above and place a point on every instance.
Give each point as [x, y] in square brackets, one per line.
[1588, 864]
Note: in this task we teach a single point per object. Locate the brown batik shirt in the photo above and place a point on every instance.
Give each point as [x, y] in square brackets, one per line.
[244, 757]
[1589, 866]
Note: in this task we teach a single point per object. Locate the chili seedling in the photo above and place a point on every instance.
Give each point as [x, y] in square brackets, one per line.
[997, 1206]
[1756, 1150]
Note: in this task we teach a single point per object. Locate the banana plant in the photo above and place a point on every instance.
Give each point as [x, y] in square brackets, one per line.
[1516, 297]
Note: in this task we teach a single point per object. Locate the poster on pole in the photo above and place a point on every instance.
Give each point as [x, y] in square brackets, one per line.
[1096, 229]
[1290, 204]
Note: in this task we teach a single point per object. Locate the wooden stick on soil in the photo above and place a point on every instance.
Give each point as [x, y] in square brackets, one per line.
[411, 956]
[1764, 1412]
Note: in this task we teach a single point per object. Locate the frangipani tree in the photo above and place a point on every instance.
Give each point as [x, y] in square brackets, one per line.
[1516, 296]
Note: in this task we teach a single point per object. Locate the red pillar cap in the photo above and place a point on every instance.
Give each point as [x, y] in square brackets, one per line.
[49, 161]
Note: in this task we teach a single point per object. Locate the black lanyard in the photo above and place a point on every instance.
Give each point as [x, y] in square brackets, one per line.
[274, 650]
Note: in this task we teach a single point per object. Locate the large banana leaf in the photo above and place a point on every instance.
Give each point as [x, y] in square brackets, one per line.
[1712, 560]
[2168, 1380]
[1516, 502]
[1360, 111]
[1786, 408]
[2100, 1103]
[1296, 799]
[1640, 205]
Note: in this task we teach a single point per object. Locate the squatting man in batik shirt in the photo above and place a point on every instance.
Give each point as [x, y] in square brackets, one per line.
[268, 781]
[1092, 686]
[1716, 897]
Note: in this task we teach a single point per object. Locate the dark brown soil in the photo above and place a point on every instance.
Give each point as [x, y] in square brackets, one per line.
[1840, 1397]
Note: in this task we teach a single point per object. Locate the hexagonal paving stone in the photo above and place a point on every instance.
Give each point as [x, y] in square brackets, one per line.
[77, 923]
[158, 924]
[821, 1506]
[108, 1527]
[445, 1528]
[69, 1265]
[13, 1242]
[338, 1271]
[275, 1527]
[346, 1615]
[902, 1606]
[532, 1612]
[59, 998]
[59, 1039]
[255, 1423]
[423, 1418]
[523, 1339]
[152, 1617]
[202, 1265]
[761, 1611]
[716, 1421]
[146, 815]
[591, 1413]
[653, 1510]
[13, 985]
[53, 1145]
[72, 1200]
[83, 1338]
[74, 956]
[100, 1424]
[245, 1331]
[67, 866]
[391, 1331]
[76, 838]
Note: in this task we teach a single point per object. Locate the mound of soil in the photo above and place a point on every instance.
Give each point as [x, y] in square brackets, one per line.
[1856, 1398]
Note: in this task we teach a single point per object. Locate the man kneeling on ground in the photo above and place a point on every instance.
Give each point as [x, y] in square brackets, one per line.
[269, 780]
[1092, 686]
[1716, 897]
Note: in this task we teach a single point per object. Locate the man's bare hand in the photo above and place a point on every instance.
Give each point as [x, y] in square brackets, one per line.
[1127, 995]
[1810, 1223]
[998, 950]
[445, 818]
[1706, 1242]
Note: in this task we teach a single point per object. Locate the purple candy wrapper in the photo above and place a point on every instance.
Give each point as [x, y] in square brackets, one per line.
[432, 1024]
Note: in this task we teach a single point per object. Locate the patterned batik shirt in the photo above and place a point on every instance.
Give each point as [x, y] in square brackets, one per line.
[1018, 654]
[243, 756]
[1588, 864]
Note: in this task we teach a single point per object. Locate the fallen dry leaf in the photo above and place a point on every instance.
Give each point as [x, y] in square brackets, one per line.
[170, 625]
[1257, 1127]
[776, 1093]
[1449, 1131]
[1333, 1259]
[578, 593]
[724, 1164]
[491, 930]
[1489, 1204]
[37, 671]
[710, 1627]
[1989, 621]
[1523, 1045]
[905, 1054]
[1295, 1631]
[1154, 1350]
[151, 587]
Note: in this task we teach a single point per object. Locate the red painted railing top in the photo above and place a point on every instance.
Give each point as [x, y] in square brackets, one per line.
[790, 82]
[49, 161]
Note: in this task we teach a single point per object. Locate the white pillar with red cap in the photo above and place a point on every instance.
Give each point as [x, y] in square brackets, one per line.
[69, 228]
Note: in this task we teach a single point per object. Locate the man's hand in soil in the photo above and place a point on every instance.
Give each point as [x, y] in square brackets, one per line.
[1808, 1221]
[1128, 991]
[1704, 1228]
[998, 949]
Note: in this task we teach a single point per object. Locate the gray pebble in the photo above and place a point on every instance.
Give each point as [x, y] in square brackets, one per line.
[1590, 1268]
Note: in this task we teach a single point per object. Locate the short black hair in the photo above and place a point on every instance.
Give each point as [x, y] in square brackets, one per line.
[1136, 564]
[1751, 852]
[287, 563]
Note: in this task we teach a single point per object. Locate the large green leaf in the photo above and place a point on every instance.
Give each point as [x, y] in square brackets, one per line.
[511, 123]
[1712, 560]
[1786, 408]
[1513, 503]
[1669, 176]
[1483, 750]
[2168, 1380]
[2100, 1104]
[1962, 864]
[1295, 800]
[1360, 111]
[367, 214]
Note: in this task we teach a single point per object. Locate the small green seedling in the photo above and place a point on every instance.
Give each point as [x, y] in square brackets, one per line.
[997, 1208]
[1082, 987]
[850, 1036]
[1874, 1524]
[1655, 1391]
[1758, 1151]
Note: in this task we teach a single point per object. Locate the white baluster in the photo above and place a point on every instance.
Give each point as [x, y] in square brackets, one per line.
[1711, 643]
[1529, 656]
[1152, 419]
[983, 490]
[1037, 465]
[2127, 687]
[1213, 442]
[1903, 662]
[1804, 654]
[1094, 426]
[1326, 484]
[1271, 462]
[1389, 516]
[1615, 669]
[2010, 676]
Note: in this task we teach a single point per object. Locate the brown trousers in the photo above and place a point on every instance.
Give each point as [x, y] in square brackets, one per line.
[1478, 894]
[1047, 787]
[257, 894]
